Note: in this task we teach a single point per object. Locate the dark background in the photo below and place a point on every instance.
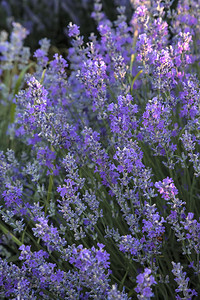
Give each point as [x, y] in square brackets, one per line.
[49, 18]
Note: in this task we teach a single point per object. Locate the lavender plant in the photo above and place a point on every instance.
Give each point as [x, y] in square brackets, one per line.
[99, 185]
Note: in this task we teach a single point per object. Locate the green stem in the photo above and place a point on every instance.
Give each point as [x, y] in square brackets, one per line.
[6, 231]
[123, 280]
[49, 192]
[134, 79]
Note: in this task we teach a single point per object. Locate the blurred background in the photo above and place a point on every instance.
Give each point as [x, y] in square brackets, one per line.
[49, 18]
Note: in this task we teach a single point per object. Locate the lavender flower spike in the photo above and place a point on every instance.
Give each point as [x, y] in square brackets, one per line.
[145, 281]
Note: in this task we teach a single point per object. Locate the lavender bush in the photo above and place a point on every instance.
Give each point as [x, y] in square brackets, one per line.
[100, 178]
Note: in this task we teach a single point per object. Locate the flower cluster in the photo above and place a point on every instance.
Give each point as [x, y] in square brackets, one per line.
[167, 189]
[144, 283]
[182, 281]
[100, 159]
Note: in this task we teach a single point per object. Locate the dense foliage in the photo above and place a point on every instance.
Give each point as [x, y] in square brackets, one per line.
[100, 160]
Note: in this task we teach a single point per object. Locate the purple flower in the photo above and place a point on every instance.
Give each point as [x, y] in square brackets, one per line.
[42, 54]
[155, 129]
[13, 195]
[48, 233]
[122, 117]
[92, 75]
[144, 47]
[13, 51]
[144, 283]
[167, 188]
[153, 224]
[130, 244]
[73, 30]
[182, 281]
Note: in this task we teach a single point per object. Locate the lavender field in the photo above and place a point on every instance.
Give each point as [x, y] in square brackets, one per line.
[100, 158]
